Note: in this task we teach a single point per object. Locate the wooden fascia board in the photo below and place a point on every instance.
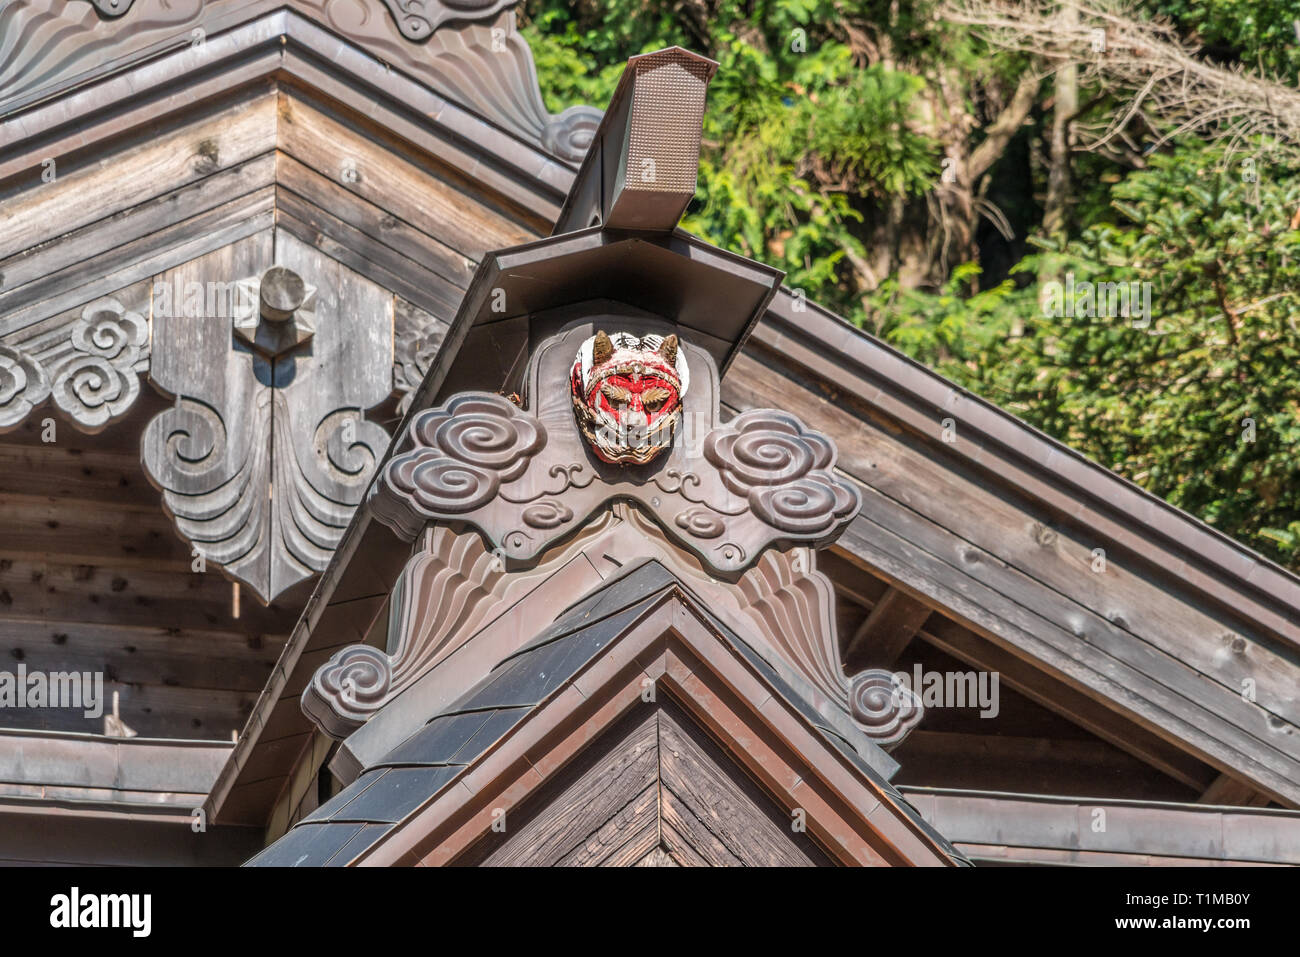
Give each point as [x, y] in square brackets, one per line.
[1013, 453]
[672, 649]
[1035, 827]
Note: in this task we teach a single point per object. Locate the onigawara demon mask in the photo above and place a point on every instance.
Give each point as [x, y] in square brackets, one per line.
[627, 394]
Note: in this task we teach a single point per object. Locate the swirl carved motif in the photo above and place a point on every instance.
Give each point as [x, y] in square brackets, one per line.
[417, 19]
[569, 134]
[100, 381]
[783, 470]
[93, 374]
[700, 522]
[214, 483]
[347, 689]
[547, 514]
[727, 492]
[883, 706]
[463, 453]
[108, 9]
[23, 386]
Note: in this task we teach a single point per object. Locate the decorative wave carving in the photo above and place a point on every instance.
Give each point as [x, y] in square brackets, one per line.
[214, 484]
[792, 606]
[266, 453]
[760, 480]
[44, 42]
[447, 592]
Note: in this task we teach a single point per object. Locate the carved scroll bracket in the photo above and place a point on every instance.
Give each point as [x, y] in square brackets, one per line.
[454, 586]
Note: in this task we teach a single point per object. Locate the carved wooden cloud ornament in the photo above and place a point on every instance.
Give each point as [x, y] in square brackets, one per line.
[527, 478]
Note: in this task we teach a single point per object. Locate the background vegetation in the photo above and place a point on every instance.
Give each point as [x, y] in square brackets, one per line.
[923, 170]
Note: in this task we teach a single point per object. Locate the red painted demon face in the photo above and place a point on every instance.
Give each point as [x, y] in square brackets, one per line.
[627, 395]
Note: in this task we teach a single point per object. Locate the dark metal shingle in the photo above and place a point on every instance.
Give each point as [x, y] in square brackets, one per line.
[307, 845]
[396, 794]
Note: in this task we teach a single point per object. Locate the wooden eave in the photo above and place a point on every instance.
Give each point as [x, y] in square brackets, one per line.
[1135, 710]
[49, 830]
[1200, 556]
[1167, 638]
[1014, 591]
[998, 828]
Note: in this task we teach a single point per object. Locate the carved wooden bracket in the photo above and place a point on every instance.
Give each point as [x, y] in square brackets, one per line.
[446, 592]
[792, 605]
[267, 452]
[526, 479]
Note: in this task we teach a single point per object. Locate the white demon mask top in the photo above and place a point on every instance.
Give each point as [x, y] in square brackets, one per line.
[627, 394]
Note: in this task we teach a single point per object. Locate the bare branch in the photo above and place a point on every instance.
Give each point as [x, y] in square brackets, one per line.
[1142, 61]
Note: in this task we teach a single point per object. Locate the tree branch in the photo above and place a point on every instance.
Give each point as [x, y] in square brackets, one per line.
[999, 133]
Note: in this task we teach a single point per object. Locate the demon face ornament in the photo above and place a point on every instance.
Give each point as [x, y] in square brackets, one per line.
[627, 395]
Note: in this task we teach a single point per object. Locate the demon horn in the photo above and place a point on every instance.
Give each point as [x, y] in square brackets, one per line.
[668, 349]
[601, 349]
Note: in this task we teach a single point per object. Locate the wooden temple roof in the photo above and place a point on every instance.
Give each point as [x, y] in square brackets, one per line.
[407, 170]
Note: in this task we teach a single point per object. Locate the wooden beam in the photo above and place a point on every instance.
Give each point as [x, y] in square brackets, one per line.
[1030, 765]
[1228, 791]
[1061, 699]
[886, 631]
[1054, 830]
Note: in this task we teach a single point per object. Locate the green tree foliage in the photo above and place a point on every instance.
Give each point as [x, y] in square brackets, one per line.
[824, 114]
[1260, 33]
